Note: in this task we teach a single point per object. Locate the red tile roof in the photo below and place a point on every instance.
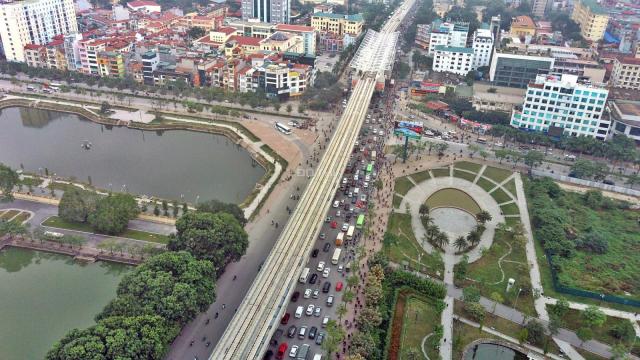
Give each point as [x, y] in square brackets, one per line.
[226, 30]
[630, 60]
[140, 3]
[523, 21]
[287, 27]
[246, 40]
[33, 47]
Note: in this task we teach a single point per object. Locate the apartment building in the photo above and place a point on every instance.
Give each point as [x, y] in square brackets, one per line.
[482, 46]
[625, 116]
[539, 7]
[456, 60]
[34, 22]
[272, 11]
[591, 17]
[337, 23]
[564, 102]
[111, 64]
[35, 55]
[626, 73]
[447, 34]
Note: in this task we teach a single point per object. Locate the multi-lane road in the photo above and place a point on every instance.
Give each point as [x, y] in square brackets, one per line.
[248, 334]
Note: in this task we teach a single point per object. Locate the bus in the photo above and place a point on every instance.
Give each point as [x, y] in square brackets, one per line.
[350, 232]
[283, 128]
[336, 256]
[481, 141]
[55, 86]
[360, 222]
[369, 168]
[304, 275]
[339, 238]
[374, 154]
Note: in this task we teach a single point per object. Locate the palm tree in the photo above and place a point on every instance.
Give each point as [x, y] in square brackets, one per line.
[483, 216]
[473, 238]
[424, 209]
[441, 239]
[342, 310]
[460, 243]
[432, 231]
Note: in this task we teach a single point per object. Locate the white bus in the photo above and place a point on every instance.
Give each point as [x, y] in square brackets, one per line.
[55, 86]
[304, 275]
[336, 256]
[53, 234]
[283, 128]
[350, 232]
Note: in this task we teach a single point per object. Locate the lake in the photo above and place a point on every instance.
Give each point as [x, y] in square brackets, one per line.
[175, 165]
[44, 295]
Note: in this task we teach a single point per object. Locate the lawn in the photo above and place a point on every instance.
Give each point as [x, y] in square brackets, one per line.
[485, 184]
[403, 185]
[31, 181]
[451, 197]
[510, 209]
[421, 176]
[485, 273]
[500, 196]
[420, 319]
[57, 222]
[22, 217]
[511, 221]
[464, 175]
[9, 214]
[467, 165]
[496, 174]
[510, 186]
[397, 200]
[440, 172]
[407, 248]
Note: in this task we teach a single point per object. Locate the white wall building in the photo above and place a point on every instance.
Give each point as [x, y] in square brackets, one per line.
[456, 60]
[268, 11]
[447, 34]
[482, 48]
[561, 101]
[34, 22]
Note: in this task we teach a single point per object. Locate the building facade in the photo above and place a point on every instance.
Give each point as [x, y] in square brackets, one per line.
[447, 34]
[515, 70]
[269, 11]
[626, 73]
[456, 60]
[539, 7]
[337, 23]
[482, 46]
[523, 27]
[564, 102]
[34, 22]
[591, 17]
[625, 117]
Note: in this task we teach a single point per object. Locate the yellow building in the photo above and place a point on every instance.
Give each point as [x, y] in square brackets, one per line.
[522, 27]
[111, 64]
[591, 17]
[337, 23]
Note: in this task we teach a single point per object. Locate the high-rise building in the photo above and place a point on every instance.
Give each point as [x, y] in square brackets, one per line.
[494, 26]
[482, 48]
[538, 8]
[270, 11]
[591, 17]
[448, 35]
[561, 101]
[515, 70]
[34, 22]
[456, 60]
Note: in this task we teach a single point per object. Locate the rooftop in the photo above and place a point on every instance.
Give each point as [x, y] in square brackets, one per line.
[354, 17]
[454, 49]
[594, 6]
[523, 21]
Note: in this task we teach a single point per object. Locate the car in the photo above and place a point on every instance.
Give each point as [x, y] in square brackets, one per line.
[291, 333]
[338, 213]
[345, 227]
[275, 337]
[323, 236]
[307, 293]
[313, 278]
[315, 252]
[295, 296]
[302, 332]
[310, 308]
[326, 247]
[294, 351]
[336, 204]
[328, 219]
[334, 225]
[325, 272]
[315, 294]
[340, 268]
[367, 177]
[608, 182]
[316, 311]
[320, 338]
[285, 319]
[339, 286]
[320, 266]
[325, 321]
[349, 194]
[312, 332]
[281, 351]
[326, 286]
[330, 300]
[363, 198]
[299, 311]
[366, 185]
[267, 356]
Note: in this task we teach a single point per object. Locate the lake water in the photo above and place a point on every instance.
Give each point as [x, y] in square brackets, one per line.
[44, 295]
[175, 165]
[493, 352]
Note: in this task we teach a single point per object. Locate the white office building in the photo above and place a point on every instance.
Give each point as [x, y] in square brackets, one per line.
[447, 34]
[561, 101]
[456, 60]
[268, 11]
[34, 22]
[482, 48]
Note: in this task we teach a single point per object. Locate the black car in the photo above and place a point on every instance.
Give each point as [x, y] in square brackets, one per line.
[269, 355]
[313, 278]
[312, 332]
[320, 338]
[292, 331]
[295, 296]
[315, 252]
[326, 247]
[326, 287]
[275, 337]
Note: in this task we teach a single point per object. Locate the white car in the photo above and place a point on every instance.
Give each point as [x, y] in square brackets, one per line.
[336, 204]
[307, 293]
[330, 300]
[325, 321]
[340, 267]
[319, 268]
[325, 274]
[345, 227]
[338, 213]
[310, 309]
[316, 311]
[367, 177]
[294, 351]
[299, 311]
[366, 184]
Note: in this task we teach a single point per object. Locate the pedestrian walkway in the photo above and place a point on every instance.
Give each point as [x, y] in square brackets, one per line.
[568, 349]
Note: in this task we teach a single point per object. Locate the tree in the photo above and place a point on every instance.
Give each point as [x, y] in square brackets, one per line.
[363, 343]
[497, 298]
[334, 337]
[533, 158]
[624, 332]
[555, 323]
[215, 206]
[460, 243]
[369, 318]
[619, 352]
[195, 32]
[476, 311]
[105, 107]
[218, 238]
[536, 331]
[424, 209]
[441, 239]
[483, 216]
[76, 204]
[165, 207]
[584, 334]
[593, 242]
[593, 316]
[113, 213]
[460, 270]
[560, 308]
[470, 294]
[8, 179]
[523, 335]
[156, 210]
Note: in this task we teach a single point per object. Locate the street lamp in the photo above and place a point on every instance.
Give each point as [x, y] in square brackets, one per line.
[516, 302]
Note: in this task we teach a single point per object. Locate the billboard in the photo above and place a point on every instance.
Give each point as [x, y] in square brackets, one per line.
[411, 129]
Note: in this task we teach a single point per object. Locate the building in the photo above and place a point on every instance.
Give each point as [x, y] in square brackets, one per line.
[626, 73]
[34, 22]
[307, 33]
[538, 8]
[456, 60]
[35, 55]
[272, 11]
[515, 70]
[591, 17]
[564, 102]
[111, 64]
[496, 98]
[72, 51]
[625, 117]
[523, 27]
[338, 24]
[150, 61]
[482, 46]
[447, 34]
[145, 6]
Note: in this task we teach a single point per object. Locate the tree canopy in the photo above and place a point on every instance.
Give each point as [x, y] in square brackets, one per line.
[113, 213]
[215, 206]
[8, 179]
[76, 204]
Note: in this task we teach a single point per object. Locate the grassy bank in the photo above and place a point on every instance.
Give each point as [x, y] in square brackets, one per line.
[57, 222]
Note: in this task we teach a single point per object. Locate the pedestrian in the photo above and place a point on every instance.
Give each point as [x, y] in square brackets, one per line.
[224, 306]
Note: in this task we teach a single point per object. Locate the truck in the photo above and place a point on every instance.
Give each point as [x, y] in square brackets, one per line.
[339, 238]
[336, 256]
[350, 232]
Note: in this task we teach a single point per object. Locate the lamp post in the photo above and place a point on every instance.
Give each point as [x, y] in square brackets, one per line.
[516, 302]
